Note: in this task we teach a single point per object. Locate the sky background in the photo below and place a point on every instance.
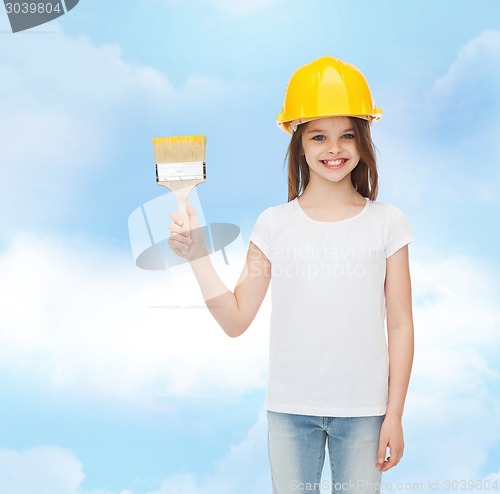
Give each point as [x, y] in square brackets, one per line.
[104, 388]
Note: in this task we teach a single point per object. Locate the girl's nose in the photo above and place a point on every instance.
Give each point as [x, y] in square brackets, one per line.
[335, 149]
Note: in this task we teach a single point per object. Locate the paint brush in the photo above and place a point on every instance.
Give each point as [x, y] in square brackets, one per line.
[180, 166]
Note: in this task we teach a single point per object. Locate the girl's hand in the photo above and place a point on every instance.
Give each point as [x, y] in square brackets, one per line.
[391, 435]
[187, 243]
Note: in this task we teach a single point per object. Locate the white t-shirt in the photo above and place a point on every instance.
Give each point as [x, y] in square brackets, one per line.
[328, 350]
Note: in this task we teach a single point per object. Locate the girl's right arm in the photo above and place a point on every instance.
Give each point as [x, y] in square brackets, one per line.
[234, 311]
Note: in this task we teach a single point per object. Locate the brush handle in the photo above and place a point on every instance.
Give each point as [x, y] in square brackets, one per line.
[182, 200]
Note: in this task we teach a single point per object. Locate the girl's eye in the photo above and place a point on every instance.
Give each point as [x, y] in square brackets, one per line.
[348, 136]
[319, 138]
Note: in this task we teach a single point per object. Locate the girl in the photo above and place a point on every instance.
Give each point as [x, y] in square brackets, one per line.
[338, 261]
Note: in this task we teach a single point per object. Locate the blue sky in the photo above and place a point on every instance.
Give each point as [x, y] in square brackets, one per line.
[107, 391]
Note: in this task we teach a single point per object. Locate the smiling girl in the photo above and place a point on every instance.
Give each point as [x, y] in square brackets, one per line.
[339, 267]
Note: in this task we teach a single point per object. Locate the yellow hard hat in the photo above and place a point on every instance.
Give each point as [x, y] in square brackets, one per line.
[326, 87]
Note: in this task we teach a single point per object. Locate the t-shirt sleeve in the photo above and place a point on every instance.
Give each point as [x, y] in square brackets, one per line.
[397, 232]
[261, 233]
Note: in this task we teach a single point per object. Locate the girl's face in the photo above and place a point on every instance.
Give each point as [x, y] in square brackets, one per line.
[330, 149]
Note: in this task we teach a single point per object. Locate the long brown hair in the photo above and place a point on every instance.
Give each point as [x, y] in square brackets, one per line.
[364, 177]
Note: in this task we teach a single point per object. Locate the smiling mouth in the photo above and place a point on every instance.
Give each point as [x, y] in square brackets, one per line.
[333, 163]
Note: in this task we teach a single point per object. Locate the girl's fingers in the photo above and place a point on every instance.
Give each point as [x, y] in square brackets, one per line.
[185, 242]
[182, 239]
[388, 464]
[177, 226]
[193, 219]
[178, 247]
[174, 228]
[177, 218]
[391, 462]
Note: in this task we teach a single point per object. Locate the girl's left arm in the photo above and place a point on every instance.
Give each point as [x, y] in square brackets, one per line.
[400, 342]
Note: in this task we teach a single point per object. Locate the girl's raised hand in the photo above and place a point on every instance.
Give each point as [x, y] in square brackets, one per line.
[187, 242]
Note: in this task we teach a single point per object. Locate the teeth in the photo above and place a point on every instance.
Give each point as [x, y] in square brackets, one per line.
[333, 162]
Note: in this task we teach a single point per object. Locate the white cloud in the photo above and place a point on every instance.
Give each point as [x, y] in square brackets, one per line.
[463, 104]
[44, 470]
[64, 103]
[59, 94]
[492, 477]
[59, 97]
[474, 74]
[54, 470]
[244, 470]
[442, 145]
[76, 316]
[453, 406]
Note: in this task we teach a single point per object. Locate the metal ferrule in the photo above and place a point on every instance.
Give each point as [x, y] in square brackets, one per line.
[180, 171]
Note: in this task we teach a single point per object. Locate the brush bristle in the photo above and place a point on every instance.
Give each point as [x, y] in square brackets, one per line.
[179, 149]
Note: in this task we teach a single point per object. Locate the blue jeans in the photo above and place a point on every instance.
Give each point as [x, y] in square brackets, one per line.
[296, 445]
